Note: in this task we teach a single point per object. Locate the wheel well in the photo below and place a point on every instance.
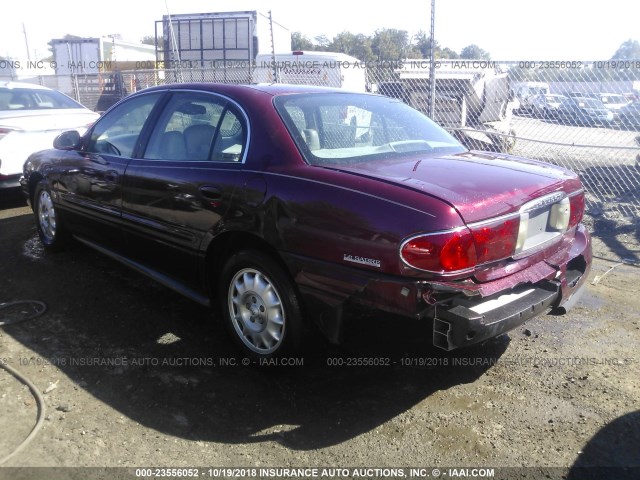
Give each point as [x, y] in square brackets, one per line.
[34, 180]
[228, 243]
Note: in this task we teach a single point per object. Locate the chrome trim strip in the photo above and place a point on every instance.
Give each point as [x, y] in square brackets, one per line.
[543, 201]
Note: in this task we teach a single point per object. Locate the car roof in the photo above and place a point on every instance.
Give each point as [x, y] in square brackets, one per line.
[579, 99]
[12, 84]
[273, 89]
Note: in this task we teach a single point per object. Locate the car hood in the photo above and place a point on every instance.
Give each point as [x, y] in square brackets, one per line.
[52, 119]
[479, 185]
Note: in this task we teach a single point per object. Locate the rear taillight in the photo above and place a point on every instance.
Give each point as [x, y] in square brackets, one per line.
[457, 251]
[496, 240]
[448, 252]
[577, 209]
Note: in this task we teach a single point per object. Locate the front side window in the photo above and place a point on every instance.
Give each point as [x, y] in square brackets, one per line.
[198, 127]
[352, 128]
[117, 132]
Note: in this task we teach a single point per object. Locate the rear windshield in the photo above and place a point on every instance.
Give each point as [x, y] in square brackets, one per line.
[344, 128]
[32, 99]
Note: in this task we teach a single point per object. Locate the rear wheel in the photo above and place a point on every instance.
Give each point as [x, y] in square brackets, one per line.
[50, 226]
[260, 305]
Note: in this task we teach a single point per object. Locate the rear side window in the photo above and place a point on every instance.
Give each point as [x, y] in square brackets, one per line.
[198, 127]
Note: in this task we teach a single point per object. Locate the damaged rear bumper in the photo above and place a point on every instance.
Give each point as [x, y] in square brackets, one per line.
[463, 313]
[468, 322]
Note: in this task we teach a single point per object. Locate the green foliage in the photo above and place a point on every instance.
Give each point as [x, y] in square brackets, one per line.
[629, 50]
[388, 44]
[358, 46]
[474, 52]
[300, 42]
[151, 40]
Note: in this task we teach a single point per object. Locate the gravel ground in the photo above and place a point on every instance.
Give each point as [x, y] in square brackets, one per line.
[136, 375]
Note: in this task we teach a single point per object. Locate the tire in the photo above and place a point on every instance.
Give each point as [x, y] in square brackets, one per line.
[49, 224]
[260, 305]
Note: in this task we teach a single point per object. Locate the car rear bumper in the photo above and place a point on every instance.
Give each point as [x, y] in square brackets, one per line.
[468, 323]
[9, 181]
[462, 316]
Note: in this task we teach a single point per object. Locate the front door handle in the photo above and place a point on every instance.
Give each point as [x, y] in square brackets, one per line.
[111, 176]
[98, 159]
[211, 193]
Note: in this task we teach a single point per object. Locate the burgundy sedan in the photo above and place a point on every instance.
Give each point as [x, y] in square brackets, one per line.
[284, 206]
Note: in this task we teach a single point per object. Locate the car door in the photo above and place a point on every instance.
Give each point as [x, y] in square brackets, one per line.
[91, 186]
[181, 188]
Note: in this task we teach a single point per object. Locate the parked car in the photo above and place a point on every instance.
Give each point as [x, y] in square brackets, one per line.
[614, 102]
[545, 106]
[629, 115]
[256, 200]
[575, 94]
[31, 116]
[584, 111]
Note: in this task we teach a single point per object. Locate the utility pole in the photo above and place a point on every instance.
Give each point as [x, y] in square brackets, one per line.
[273, 51]
[432, 62]
[24, 30]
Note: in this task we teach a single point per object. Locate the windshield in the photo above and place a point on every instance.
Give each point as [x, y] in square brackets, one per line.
[342, 128]
[34, 99]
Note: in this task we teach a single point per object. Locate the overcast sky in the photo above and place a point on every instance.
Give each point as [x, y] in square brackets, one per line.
[507, 29]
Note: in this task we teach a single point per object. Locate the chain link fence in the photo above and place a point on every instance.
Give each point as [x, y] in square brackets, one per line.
[584, 116]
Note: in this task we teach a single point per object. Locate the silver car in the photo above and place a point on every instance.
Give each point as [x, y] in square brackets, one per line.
[545, 106]
[31, 117]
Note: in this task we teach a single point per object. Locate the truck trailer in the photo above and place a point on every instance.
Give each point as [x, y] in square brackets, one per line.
[472, 100]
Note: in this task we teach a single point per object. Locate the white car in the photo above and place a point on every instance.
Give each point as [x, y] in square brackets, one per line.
[614, 102]
[31, 117]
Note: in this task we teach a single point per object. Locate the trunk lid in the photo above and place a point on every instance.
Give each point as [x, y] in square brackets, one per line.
[479, 185]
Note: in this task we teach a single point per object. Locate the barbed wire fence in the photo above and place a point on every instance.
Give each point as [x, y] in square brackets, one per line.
[584, 116]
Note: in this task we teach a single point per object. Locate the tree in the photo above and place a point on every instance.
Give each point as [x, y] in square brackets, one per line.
[300, 41]
[448, 53]
[629, 50]
[474, 52]
[322, 41]
[151, 40]
[358, 46]
[423, 45]
[390, 44]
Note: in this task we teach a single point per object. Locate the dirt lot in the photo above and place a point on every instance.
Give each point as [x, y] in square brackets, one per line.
[139, 376]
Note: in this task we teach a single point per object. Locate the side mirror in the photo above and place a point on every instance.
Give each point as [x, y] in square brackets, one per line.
[66, 140]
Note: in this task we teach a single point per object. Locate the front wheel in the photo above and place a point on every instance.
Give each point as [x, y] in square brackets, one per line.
[50, 227]
[260, 305]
